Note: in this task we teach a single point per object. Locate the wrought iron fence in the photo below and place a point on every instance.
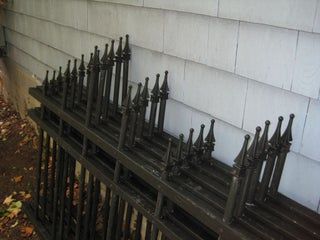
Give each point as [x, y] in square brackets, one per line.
[105, 172]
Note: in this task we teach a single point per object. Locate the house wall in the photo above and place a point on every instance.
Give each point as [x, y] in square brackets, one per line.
[237, 61]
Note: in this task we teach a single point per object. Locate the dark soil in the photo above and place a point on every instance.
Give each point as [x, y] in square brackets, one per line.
[18, 152]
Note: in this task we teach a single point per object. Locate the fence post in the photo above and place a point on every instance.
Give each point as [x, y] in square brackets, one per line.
[238, 173]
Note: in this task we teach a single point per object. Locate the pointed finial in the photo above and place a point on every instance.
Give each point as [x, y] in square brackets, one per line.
[198, 144]
[74, 70]
[111, 52]
[262, 146]
[252, 151]
[190, 142]
[96, 58]
[145, 91]
[137, 96]
[82, 67]
[210, 137]
[164, 87]
[126, 49]
[59, 79]
[104, 58]
[155, 91]
[67, 71]
[275, 139]
[119, 50]
[90, 63]
[286, 137]
[239, 161]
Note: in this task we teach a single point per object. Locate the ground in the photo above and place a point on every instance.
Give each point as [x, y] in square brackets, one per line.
[18, 152]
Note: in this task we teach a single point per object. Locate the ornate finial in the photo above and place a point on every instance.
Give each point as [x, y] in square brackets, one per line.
[96, 58]
[275, 139]
[104, 58]
[111, 52]
[145, 92]
[136, 99]
[90, 63]
[239, 161]
[59, 79]
[262, 146]
[119, 50]
[82, 67]
[286, 137]
[189, 142]
[210, 139]
[67, 71]
[74, 70]
[126, 49]
[164, 87]
[155, 91]
[198, 144]
[252, 151]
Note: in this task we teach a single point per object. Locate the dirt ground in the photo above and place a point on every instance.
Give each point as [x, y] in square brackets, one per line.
[18, 152]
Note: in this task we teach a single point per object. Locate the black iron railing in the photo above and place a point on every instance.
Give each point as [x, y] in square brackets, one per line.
[105, 172]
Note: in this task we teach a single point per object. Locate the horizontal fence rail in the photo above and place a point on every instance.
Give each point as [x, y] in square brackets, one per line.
[108, 170]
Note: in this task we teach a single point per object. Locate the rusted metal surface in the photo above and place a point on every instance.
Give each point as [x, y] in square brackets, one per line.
[135, 181]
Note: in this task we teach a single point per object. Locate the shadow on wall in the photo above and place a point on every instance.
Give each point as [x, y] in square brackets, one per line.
[14, 84]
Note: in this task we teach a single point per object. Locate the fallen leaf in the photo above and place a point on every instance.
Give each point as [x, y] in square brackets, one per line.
[14, 213]
[8, 200]
[17, 179]
[15, 224]
[26, 231]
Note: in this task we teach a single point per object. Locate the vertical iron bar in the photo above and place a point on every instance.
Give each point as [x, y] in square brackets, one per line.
[135, 113]
[251, 161]
[118, 60]
[160, 197]
[53, 172]
[95, 203]
[106, 213]
[262, 153]
[273, 150]
[137, 235]
[89, 66]
[88, 206]
[109, 65]
[126, 58]
[63, 195]
[81, 79]
[72, 169]
[143, 108]
[154, 104]
[127, 230]
[286, 139]
[74, 78]
[101, 85]
[45, 175]
[148, 230]
[238, 172]
[210, 142]
[121, 209]
[81, 203]
[164, 93]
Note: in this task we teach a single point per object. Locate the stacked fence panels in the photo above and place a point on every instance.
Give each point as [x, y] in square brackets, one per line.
[108, 170]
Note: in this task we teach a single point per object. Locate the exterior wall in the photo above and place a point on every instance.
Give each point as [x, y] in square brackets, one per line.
[238, 61]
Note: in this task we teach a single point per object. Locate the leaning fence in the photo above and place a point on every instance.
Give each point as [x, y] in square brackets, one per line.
[108, 170]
